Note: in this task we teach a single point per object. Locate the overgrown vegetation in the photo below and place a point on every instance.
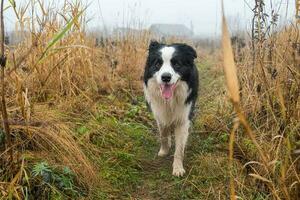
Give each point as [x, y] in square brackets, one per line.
[269, 107]
[80, 128]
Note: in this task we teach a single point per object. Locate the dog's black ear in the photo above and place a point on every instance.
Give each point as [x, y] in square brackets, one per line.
[191, 51]
[187, 49]
[154, 45]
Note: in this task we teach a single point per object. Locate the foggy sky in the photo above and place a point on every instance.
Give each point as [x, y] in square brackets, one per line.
[201, 15]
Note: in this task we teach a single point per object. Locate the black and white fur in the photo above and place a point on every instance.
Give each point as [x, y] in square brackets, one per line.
[171, 66]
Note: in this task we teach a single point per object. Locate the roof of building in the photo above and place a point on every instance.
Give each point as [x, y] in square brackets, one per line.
[171, 30]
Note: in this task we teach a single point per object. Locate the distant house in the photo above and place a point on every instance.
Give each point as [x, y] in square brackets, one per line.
[170, 30]
[16, 37]
[124, 31]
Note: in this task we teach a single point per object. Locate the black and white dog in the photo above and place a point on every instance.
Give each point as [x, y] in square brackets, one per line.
[171, 89]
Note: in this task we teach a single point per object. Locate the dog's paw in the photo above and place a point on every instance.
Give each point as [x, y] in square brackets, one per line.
[178, 171]
[162, 152]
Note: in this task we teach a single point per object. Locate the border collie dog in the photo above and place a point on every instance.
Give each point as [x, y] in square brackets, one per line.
[171, 89]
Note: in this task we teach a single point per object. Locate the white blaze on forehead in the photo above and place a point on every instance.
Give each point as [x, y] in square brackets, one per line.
[167, 53]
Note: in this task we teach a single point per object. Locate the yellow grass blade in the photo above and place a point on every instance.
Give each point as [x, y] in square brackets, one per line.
[229, 65]
[260, 178]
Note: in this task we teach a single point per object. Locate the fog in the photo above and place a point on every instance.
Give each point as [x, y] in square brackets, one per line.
[202, 16]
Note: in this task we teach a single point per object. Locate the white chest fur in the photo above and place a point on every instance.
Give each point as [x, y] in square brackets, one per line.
[168, 112]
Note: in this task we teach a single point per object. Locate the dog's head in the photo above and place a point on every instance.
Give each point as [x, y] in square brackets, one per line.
[169, 64]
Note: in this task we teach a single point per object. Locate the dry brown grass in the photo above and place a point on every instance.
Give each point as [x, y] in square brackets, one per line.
[269, 111]
[47, 88]
[43, 84]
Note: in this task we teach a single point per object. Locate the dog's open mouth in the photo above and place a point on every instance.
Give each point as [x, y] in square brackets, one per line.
[167, 90]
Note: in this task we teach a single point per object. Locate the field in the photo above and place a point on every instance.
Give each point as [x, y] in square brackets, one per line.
[79, 127]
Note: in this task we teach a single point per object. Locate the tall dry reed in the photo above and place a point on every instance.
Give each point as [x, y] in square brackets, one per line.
[269, 108]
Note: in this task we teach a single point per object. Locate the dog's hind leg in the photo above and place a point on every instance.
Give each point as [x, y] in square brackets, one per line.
[165, 140]
[181, 136]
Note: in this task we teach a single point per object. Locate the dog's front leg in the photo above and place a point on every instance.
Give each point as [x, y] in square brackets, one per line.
[181, 136]
[165, 140]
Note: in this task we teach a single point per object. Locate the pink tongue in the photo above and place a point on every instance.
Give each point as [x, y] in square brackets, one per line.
[167, 91]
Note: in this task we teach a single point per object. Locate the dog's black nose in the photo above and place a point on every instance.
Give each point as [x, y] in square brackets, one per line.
[166, 77]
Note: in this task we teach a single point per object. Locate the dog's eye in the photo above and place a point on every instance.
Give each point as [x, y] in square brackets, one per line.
[158, 64]
[175, 63]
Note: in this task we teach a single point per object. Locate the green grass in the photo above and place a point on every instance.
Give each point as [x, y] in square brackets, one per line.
[125, 140]
[126, 135]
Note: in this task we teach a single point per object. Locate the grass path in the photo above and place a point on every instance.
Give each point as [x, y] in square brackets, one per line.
[127, 137]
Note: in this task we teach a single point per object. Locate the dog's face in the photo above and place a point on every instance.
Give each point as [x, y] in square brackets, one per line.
[168, 65]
